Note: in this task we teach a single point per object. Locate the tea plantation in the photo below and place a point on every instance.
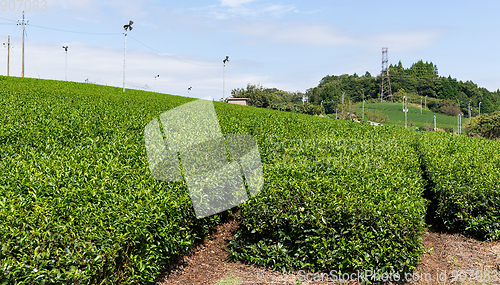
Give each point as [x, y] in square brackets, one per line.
[464, 189]
[78, 204]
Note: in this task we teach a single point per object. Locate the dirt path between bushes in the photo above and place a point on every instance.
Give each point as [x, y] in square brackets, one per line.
[451, 259]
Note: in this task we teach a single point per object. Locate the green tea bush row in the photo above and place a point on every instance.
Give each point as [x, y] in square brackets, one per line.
[77, 202]
[464, 174]
[337, 196]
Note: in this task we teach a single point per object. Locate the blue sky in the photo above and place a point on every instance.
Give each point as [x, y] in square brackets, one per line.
[289, 45]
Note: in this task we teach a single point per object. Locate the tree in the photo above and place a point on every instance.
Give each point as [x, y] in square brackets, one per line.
[487, 126]
[331, 91]
[462, 99]
[421, 69]
[420, 79]
[257, 95]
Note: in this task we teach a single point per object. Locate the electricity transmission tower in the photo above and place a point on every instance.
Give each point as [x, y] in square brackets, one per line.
[23, 22]
[385, 87]
[8, 46]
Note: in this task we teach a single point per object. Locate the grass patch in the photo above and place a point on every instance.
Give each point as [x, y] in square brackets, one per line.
[396, 116]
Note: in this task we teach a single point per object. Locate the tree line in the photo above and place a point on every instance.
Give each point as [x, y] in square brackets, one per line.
[444, 94]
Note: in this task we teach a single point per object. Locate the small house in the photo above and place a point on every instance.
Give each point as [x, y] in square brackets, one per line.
[238, 101]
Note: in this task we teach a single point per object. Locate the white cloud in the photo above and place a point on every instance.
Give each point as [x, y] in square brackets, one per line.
[298, 33]
[238, 9]
[234, 3]
[76, 4]
[274, 11]
[86, 8]
[129, 8]
[278, 10]
[405, 40]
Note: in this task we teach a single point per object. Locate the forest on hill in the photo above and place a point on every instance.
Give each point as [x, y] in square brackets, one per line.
[445, 95]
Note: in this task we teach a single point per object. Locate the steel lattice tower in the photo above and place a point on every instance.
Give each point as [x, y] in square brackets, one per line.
[385, 87]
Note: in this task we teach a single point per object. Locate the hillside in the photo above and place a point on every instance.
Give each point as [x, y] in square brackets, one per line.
[419, 80]
[79, 204]
[444, 95]
[395, 116]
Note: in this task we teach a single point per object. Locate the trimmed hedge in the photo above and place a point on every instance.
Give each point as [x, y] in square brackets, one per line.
[465, 190]
[77, 202]
[331, 203]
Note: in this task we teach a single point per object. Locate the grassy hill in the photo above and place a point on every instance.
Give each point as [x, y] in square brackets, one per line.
[396, 116]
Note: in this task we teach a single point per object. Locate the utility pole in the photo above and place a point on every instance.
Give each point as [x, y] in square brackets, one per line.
[363, 103]
[480, 109]
[350, 113]
[459, 123]
[461, 115]
[224, 77]
[343, 93]
[385, 89]
[23, 23]
[156, 76]
[420, 105]
[66, 64]
[469, 110]
[126, 27]
[8, 54]
[434, 122]
[405, 110]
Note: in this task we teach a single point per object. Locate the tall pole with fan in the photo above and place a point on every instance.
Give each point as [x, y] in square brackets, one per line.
[224, 77]
[66, 63]
[156, 76]
[126, 27]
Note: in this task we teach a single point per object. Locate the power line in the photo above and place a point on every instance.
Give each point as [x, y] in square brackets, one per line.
[60, 30]
[8, 20]
[75, 32]
[88, 33]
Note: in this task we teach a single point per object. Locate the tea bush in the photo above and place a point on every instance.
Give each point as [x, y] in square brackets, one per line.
[337, 195]
[77, 202]
[464, 174]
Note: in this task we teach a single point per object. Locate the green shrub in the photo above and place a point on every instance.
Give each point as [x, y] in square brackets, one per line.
[335, 203]
[376, 116]
[464, 174]
[487, 126]
[77, 202]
